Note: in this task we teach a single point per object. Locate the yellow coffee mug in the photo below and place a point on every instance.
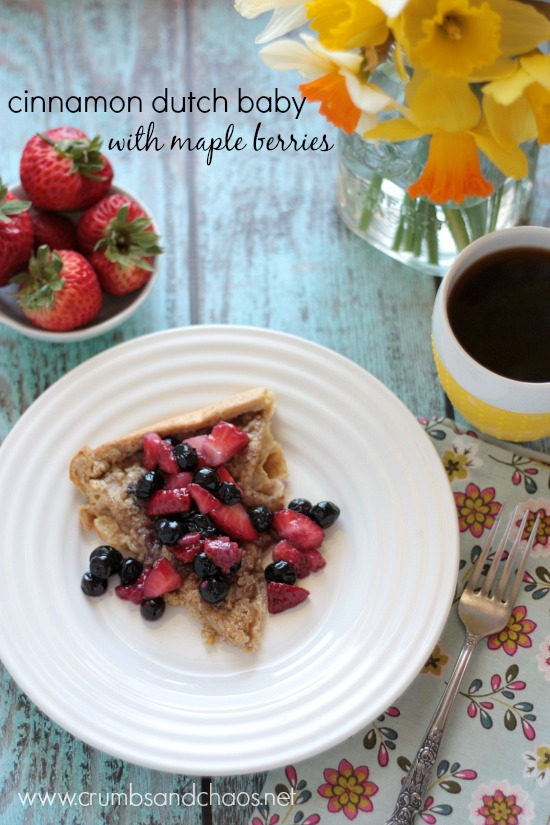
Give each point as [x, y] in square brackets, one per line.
[494, 404]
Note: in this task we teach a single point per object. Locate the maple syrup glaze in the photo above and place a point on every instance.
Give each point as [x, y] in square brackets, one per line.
[499, 311]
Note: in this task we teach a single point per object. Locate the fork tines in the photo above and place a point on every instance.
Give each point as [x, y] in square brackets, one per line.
[498, 592]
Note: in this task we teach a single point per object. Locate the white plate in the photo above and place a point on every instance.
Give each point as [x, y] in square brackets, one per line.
[115, 308]
[152, 693]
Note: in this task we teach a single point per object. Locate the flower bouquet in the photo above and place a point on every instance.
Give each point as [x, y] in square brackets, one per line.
[441, 106]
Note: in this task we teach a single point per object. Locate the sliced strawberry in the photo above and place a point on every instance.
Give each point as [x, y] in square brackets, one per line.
[284, 551]
[298, 529]
[151, 443]
[204, 500]
[233, 519]
[175, 481]
[133, 592]
[225, 441]
[225, 475]
[282, 596]
[223, 552]
[187, 547]
[165, 457]
[161, 578]
[163, 502]
[315, 560]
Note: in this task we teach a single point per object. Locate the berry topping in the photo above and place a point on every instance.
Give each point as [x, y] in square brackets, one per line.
[204, 566]
[315, 560]
[152, 609]
[280, 571]
[101, 566]
[261, 517]
[225, 553]
[151, 442]
[225, 475]
[204, 500]
[325, 513]
[200, 523]
[214, 589]
[298, 529]
[164, 502]
[225, 441]
[115, 556]
[284, 551]
[187, 547]
[300, 505]
[207, 478]
[281, 596]
[168, 530]
[176, 481]
[228, 492]
[186, 456]
[93, 586]
[132, 592]
[161, 578]
[149, 482]
[130, 571]
[233, 520]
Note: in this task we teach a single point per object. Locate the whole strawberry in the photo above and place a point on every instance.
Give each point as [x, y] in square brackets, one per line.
[62, 169]
[118, 237]
[53, 230]
[16, 234]
[60, 290]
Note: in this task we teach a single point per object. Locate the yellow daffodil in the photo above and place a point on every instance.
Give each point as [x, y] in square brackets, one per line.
[449, 111]
[457, 38]
[337, 81]
[518, 105]
[347, 24]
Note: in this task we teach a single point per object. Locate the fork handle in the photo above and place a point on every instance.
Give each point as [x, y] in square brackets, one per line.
[416, 782]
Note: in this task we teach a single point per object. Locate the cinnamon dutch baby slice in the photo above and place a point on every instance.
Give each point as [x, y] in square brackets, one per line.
[185, 497]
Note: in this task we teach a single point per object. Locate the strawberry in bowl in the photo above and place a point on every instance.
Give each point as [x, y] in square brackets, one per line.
[16, 234]
[61, 169]
[118, 236]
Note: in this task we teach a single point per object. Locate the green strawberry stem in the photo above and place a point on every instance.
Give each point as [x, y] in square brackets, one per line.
[11, 207]
[85, 155]
[129, 243]
[37, 286]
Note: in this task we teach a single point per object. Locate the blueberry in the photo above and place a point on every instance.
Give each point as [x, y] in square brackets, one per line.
[170, 439]
[214, 589]
[93, 586]
[168, 530]
[207, 478]
[203, 524]
[228, 492]
[186, 456]
[149, 482]
[325, 513]
[261, 517]
[204, 567]
[130, 571]
[101, 567]
[300, 505]
[280, 571]
[152, 609]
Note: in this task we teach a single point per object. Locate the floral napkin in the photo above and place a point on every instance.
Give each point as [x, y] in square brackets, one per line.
[494, 762]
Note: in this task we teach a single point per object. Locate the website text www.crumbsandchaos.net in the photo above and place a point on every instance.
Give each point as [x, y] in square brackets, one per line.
[131, 798]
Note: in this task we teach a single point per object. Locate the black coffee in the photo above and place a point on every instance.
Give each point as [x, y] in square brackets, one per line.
[499, 311]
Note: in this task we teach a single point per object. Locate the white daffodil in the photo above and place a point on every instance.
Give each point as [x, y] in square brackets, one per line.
[287, 16]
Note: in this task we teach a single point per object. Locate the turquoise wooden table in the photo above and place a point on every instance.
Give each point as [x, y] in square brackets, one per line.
[251, 238]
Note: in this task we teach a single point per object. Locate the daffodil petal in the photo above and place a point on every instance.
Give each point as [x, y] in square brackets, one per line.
[523, 27]
[367, 96]
[342, 24]
[253, 8]
[394, 130]
[287, 55]
[539, 100]
[510, 124]
[282, 22]
[391, 8]
[448, 104]
[537, 67]
[336, 105]
[510, 88]
[510, 159]
[452, 172]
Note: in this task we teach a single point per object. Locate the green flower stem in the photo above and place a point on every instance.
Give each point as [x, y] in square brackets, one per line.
[431, 235]
[477, 219]
[371, 201]
[457, 227]
[494, 209]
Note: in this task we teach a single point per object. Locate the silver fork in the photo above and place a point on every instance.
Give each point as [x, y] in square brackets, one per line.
[483, 610]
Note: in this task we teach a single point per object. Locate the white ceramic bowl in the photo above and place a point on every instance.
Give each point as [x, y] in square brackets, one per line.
[114, 311]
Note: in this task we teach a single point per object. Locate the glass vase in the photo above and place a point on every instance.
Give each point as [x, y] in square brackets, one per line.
[374, 203]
